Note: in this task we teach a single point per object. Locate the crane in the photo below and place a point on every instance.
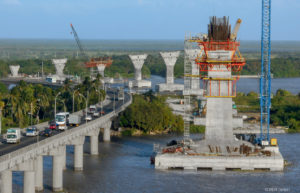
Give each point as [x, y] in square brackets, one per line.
[265, 78]
[78, 41]
[94, 62]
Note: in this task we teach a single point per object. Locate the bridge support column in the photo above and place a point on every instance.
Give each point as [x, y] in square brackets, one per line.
[78, 157]
[57, 177]
[39, 173]
[78, 152]
[64, 157]
[57, 168]
[6, 182]
[106, 134]
[94, 145]
[29, 181]
[94, 141]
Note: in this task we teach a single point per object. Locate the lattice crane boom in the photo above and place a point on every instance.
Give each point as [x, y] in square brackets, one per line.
[265, 79]
[82, 52]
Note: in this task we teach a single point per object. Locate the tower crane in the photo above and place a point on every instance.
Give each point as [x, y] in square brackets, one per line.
[265, 78]
[93, 62]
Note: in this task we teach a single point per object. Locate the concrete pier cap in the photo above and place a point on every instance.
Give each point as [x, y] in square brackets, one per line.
[59, 66]
[14, 69]
[101, 69]
[170, 59]
[138, 62]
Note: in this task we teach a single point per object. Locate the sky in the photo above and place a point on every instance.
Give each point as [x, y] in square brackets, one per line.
[141, 19]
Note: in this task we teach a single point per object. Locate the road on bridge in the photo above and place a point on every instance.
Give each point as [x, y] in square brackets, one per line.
[25, 141]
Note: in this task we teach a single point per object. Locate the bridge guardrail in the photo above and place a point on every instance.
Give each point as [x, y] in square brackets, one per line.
[31, 151]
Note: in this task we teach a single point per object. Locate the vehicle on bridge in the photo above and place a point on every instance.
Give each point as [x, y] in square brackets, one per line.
[13, 135]
[61, 120]
[52, 125]
[32, 131]
[88, 118]
[92, 109]
[47, 132]
[74, 120]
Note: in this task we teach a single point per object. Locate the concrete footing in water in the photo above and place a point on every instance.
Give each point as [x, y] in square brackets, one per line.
[275, 162]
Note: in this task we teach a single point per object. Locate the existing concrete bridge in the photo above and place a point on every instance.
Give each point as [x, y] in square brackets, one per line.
[30, 158]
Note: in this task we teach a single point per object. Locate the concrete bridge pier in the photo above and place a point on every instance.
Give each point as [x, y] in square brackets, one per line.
[64, 157]
[94, 141]
[39, 173]
[29, 182]
[29, 175]
[57, 168]
[6, 182]
[78, 152]
[106, 133]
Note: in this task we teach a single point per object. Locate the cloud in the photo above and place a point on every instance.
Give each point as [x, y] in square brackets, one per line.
[11, 2]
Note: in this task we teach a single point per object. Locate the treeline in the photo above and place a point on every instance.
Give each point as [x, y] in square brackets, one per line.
[282, 66]
[285, 109]
[149, 113]
[25, 99]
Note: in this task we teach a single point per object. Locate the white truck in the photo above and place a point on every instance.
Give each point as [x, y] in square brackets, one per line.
[32, 131]
[13, 135]
[92, 109]
[74, 120]
[61, 120]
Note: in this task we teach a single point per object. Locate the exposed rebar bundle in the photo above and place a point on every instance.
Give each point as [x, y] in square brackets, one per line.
[219, 29]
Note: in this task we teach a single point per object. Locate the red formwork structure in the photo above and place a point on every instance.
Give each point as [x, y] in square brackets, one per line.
[233, 62]
[94, 62]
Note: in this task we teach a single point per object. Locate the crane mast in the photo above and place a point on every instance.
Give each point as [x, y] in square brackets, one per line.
[78, 41]
[265, 78]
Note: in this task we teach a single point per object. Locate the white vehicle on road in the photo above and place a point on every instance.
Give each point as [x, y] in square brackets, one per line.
[13, 135]
[61, 120]
[96, 114]
[92, 109]
[32, 131]
[88, 118]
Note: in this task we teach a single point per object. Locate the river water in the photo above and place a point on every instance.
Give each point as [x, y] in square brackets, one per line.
[247, 85]
[123, 166]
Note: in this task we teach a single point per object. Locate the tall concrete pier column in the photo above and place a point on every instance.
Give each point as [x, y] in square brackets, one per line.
[59, 66]
[94, 141]
[170, 59]
[138, 62]
[39, 173]
[78, 157]
[94, 145]
[57, 176]
[64, 154]
[78, 152]
[29, 182]
[106, 134]
[6, 182]
[101, 69]
[192, 55]
[14, 69]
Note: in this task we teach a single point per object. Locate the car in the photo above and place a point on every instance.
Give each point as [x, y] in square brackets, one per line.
[88, 118]
[102, 113]
[96, 114]
[47, 132]
[52, 126]
[32, 131]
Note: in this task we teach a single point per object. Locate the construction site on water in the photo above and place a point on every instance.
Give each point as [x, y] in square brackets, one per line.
[214, 59]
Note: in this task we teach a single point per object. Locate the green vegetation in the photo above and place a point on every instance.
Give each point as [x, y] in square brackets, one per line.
[149, 113]
[247, 103]
[24, 99]
[197, 129]
[285, 109]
